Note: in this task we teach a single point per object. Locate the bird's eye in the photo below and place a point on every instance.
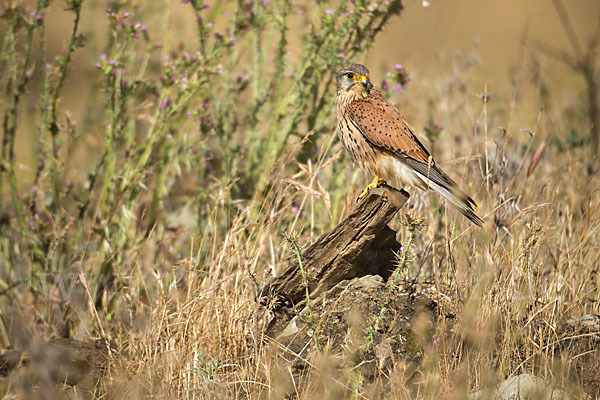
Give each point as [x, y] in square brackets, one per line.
[350, 75]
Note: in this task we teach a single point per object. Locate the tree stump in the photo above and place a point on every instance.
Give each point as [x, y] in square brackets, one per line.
[361, 244]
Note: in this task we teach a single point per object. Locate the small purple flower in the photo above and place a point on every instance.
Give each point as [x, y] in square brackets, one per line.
[144, 28]
[112, 62]
[33, 189]
[168, 135]
[165, 103]
[200, 20]
[184, 80]
[49, 222]
[186, 1]
[108, 11]
[66, 9]
[384, 85]
[218, 35]
[371, 32]
[194, 150]
[329, 11]
[342, 54]
[36, 216]
[136, 36]
[38, 16]
[295, 209]
[201, 117]
[402, 247]
[31, 225]
[398, 88]
[206, 6]
[125, 82]
[207, 106]
[113, 72]
[126, 15]
[398, 67]
[20, 197]
[266, 2]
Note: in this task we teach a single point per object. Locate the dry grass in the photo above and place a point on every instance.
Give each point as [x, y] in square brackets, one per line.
[171, 273]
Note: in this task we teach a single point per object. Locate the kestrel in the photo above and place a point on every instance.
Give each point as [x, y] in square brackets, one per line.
[380, 141]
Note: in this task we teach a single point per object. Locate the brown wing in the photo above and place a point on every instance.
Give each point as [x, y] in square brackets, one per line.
[384, 127]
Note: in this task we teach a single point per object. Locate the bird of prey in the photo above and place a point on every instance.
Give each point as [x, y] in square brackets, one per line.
[380, 141]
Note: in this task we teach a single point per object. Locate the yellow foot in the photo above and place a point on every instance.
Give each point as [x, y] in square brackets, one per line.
[375, 183]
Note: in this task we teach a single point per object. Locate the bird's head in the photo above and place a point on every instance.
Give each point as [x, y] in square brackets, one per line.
[353, 79]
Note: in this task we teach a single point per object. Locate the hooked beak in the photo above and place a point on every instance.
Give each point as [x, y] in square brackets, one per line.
[363, 81]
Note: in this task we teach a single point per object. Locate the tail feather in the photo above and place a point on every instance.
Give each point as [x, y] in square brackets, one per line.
[458, 199]
[436, 179]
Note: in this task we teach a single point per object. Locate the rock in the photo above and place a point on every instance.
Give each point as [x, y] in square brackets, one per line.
[366, 327]
[521, 387]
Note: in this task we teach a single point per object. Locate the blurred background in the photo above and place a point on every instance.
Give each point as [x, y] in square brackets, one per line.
[429, 39]
[169, 152]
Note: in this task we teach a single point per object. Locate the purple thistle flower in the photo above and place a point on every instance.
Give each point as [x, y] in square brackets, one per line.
[165, 103]
[126, 15]
[194, 150]
[398, 67]
[384, 85]
[136, 36]
[207, 106]
[398, 88]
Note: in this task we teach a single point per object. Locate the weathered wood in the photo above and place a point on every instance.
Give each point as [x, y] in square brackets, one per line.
[361, 244]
